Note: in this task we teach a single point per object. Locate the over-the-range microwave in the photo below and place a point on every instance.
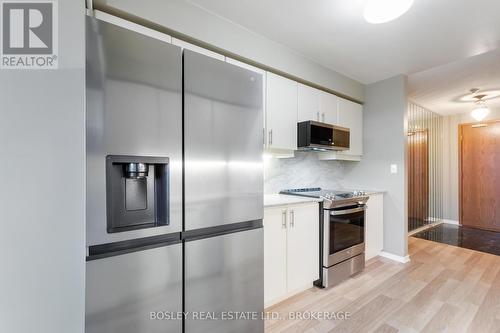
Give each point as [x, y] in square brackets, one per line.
[312, 135]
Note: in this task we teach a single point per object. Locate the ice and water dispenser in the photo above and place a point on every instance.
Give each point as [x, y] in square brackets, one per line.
[136, 192]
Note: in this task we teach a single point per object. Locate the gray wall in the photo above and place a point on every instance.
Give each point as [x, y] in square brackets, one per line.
[384, 141]
[42, 241]
[450, 164]
[185, 18]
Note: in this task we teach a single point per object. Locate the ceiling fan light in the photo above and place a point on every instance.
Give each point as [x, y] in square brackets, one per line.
[381, 11]
[480, 112]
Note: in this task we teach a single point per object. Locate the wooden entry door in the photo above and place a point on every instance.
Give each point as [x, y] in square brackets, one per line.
[480, 175]
[418, 181]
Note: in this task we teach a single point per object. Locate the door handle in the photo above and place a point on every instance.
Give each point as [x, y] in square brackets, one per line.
[283, 219]
[292, 219]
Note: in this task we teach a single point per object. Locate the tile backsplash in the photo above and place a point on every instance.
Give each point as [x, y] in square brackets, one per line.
[305, 170]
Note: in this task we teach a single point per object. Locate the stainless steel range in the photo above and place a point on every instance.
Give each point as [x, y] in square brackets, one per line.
[342, 228]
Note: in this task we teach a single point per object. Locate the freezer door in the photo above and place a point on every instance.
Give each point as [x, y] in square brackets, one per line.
[224, 275]
[123, 290]
[134, 108]
[222, 142]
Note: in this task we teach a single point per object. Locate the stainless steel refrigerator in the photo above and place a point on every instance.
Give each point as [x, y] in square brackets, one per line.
[174, 187]
[223, 193]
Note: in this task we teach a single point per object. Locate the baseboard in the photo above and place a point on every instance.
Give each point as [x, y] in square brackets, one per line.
[451, 222]
[394, 257]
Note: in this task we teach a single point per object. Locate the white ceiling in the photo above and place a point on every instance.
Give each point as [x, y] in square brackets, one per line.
[334, 33]
[441, 89]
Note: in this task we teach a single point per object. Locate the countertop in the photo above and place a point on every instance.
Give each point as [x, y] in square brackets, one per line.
[272, 200]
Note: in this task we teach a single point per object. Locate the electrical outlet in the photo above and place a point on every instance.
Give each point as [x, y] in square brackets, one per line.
[394, 168]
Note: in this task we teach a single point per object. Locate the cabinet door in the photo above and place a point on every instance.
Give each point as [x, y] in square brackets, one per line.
[350, 115]
[281, 112]
[308, 103]
[192, 47]
[274, 254]
[329, 106]
[374, 225]
[302, 246]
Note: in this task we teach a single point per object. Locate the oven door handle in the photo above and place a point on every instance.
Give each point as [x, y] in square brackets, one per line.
[347, 211]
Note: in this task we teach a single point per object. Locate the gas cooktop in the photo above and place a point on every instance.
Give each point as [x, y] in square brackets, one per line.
[331, 198]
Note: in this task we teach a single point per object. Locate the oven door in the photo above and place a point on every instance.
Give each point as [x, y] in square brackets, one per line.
[344, 234]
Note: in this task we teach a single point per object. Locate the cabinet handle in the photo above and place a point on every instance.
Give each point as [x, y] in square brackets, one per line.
[283, 219]
[271, 137]
[292, 219]
[317, 116]
[323, 117]
[264, 136]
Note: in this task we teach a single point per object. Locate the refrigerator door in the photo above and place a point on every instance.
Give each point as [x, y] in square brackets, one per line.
[134, 108]
[222, 143]
[224, 275]
[123, 290]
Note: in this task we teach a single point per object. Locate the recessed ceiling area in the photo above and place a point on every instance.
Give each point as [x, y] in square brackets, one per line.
[446, 89]
[335, 34]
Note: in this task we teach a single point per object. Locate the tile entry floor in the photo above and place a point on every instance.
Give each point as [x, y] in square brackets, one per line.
[469, 238]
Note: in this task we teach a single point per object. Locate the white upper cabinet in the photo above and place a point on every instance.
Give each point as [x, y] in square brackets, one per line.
[317, 105]
[308, 103]
[328, 106]
[350, 115]
[189, 46]
[281, 113]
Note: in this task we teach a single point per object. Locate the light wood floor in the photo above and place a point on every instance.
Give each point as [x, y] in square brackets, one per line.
[442, 289]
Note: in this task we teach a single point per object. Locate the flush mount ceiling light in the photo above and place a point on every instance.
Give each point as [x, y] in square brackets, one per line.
[381, 11]
[481, 110]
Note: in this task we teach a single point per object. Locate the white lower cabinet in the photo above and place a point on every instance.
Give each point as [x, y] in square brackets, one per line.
[291, 250]
[374, 238]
